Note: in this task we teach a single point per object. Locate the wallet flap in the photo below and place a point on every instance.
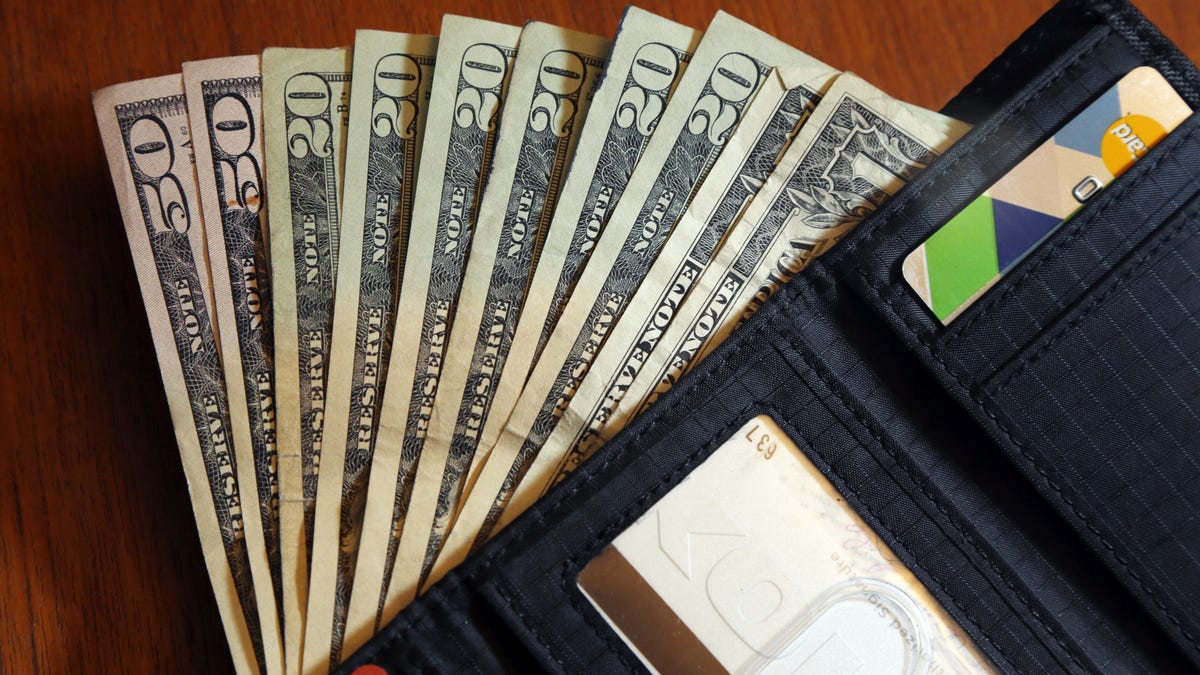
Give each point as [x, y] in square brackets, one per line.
[1094, 461]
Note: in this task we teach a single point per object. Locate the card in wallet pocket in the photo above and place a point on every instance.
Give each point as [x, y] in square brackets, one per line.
[968, 255]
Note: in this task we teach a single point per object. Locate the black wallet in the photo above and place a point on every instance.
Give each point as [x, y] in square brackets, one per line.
[1036, 463]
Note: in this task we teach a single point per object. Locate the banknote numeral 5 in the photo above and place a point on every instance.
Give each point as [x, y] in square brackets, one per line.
[734, 79]
[232, 129]
[655, 67]
[307, 98]
[397, 79]
[480, 79]
[559, 79]
[152, 156]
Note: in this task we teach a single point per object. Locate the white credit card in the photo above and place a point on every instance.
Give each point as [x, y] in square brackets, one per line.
[754, 563]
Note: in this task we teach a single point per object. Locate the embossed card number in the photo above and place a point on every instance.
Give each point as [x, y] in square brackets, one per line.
[755, 563]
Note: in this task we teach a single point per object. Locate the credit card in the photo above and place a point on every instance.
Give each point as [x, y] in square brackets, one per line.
[978, 246]
[755, 563]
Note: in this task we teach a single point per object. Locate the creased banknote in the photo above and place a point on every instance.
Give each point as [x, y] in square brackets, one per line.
[553, 81]
[306, 101]
[147, 138]
[389, 99]
[729, 66]
[224, 99]
[784, 102]
[460, 136]
[859, 148]
[648, 58]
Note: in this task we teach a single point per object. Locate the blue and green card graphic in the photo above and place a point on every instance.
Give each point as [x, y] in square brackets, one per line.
[976, 248]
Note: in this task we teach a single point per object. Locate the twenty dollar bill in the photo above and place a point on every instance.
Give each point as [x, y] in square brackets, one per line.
[389, 97]
[306, 96]
[648, 58]
[730, 65]
[464, 114]
[549, 98]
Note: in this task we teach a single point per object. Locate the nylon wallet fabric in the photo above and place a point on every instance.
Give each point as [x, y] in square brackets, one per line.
[1035, 463]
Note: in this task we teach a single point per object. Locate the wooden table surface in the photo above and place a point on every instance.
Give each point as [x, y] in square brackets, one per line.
[100, 567]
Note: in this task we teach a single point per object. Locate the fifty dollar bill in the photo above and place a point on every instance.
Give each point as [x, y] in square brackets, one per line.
[224, 99]
[147, 138]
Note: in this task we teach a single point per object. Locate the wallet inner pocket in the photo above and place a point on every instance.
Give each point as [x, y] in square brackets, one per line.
[714, 578]
[1103, 410]
[871, 257]
[1062, 269]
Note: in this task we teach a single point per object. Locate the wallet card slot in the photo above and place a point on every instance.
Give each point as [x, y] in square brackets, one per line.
[1108, 408]
[990, 336]
[1131, 232]
[871, 257]
[1034, 296]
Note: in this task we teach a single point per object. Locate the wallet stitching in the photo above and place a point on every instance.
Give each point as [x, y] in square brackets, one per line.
[616, 646]
[1048, 254]
[872, 427]
[1097, 302]
[538, 514]
[622, 521]
[959, 379]
[1126, 19]
[415, 614]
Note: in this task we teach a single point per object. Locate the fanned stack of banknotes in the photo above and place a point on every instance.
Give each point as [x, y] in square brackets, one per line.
[398, 291]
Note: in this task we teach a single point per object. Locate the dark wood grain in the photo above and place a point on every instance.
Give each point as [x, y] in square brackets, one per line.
[100, 567]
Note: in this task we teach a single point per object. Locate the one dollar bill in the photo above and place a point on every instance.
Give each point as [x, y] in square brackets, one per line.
[464, 114]
[389, 99]
[306, 100]
[147, 139]
[859, 148]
